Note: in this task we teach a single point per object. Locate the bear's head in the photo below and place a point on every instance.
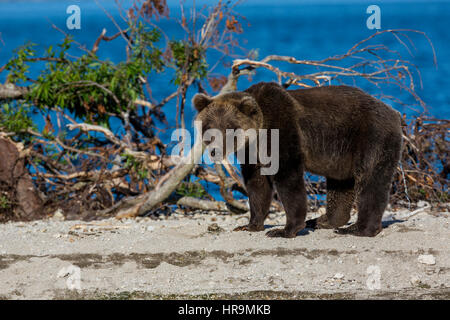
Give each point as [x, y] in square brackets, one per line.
[236, 110]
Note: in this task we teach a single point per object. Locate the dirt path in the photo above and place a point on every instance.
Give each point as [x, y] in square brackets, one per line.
[181, 258]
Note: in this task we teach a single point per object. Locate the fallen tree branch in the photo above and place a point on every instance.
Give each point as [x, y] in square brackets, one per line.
[106, 132]
[233, 174]
[234, 205]
[164, 188]
[90, 175]
[201, 204]
[374, 68]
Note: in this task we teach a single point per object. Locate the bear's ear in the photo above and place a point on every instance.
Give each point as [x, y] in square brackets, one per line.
[248, 106]
[201, 101]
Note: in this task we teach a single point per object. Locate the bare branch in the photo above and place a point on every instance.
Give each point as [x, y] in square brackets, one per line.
[201, 204]
[11, 91]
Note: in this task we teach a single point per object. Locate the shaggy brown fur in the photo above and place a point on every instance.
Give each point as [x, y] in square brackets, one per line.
[339, 132]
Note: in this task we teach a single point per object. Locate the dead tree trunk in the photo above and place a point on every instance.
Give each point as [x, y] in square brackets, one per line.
[19, 197]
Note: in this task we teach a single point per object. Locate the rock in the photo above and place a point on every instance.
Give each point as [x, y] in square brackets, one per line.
[64, 272]
[339, 276]
[214, 228]
[422, 204]
[150, 228]
[322, 210]
[427, 259]
[415, 280]
[389, 217]
[430, 271]
[58, 215]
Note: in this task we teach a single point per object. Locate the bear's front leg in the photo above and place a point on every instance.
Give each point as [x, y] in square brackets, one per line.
[291, 190]
[260, 194]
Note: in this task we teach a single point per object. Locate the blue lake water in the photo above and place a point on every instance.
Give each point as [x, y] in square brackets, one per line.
[306, 31]
[303, 30]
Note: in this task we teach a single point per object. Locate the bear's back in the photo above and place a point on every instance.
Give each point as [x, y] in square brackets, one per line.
[327, 108]
[344, 102]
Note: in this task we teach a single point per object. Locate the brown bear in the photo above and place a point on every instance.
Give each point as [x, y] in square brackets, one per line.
[339, 132]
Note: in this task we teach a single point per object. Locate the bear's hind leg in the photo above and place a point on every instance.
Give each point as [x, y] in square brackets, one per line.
[340, 198]
[372, 202]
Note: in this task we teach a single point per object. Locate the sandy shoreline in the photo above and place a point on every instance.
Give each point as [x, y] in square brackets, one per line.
[200, 257]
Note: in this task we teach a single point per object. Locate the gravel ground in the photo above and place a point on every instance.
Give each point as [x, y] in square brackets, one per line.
[200, 257]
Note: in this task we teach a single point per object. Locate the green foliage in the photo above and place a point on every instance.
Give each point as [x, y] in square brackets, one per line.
[89, 88]
[134, 165]
[189, 61]
[144, 52]
[15, 118]
[93, 90]
[17, 67]
[4, 202]
[191, 189]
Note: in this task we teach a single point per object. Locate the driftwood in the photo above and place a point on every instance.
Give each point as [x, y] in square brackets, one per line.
[201, 204]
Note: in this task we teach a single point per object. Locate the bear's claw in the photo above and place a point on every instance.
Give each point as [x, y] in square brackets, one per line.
[248, 228]
[354, 230]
